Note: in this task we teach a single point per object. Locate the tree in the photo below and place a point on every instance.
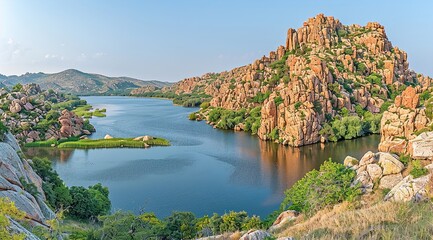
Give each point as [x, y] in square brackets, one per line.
[88, 203]
[232, 221]
[180, 225]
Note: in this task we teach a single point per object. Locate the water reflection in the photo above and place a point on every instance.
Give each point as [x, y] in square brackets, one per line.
[54, 154]
[204, 171]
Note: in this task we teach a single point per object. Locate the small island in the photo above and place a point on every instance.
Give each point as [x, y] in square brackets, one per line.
[107, 142]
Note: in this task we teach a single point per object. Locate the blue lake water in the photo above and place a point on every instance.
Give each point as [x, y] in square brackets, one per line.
[204, 171]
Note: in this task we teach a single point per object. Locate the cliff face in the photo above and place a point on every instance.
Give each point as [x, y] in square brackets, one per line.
[14, 173]
[406, 125]
[324, 67]
[30, 114]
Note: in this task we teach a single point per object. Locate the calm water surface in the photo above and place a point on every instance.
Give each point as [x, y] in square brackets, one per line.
[204, 171]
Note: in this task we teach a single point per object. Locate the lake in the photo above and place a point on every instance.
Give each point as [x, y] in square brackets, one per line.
[204, 171]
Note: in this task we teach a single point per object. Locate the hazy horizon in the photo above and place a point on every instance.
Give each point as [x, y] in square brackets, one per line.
[170, 41]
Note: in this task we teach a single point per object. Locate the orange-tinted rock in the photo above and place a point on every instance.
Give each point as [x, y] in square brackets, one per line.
[319, 71]
[409, 98]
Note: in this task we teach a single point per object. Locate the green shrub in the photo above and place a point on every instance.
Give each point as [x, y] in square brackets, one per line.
[204, 105]
[125, 225]
[261, 97]
[348, 51]
[385, 106]
[317, 106]
[374, 78]
[417, 169]
[3, 131]
[180, 225]
[273, 135]
[359, 110]
[29, 187]
[232, 221]
[405, 159]
[329, 185]
[298, 105]
[192, 116]
[17, 88]
[278, 100]
[342, 33]
[425, 95]
[344, 112]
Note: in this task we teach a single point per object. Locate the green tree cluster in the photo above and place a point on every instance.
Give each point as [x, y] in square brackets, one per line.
[79, 202]
[179, 225]
[228, 119]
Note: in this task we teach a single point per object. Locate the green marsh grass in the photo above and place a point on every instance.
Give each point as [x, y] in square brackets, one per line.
[113, 143]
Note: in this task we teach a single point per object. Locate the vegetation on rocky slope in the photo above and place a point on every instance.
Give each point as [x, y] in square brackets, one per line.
[329, 82]
[33, 115]
[185, 100]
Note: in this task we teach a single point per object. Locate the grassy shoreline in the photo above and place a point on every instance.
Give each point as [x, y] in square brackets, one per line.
[76, 143]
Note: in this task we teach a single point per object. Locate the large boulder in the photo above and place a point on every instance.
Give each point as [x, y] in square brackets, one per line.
[409, 189]
[283, 219]
[350, 161]
[368, 158]
[390, 163]
[389, 181]
[408, 98]
[421, 147]
[255, 235]
[15, 106]
[374, 171]
[378, 168]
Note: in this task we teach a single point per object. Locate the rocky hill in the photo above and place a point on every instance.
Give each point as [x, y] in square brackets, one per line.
[80, 83]
[329, 81]
[406, 127]
[32, 114]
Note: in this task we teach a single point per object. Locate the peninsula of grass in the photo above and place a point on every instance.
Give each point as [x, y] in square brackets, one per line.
[86, 111]
[76, 143]
[113, 143]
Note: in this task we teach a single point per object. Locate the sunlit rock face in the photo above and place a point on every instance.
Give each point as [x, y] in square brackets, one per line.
[323, 67]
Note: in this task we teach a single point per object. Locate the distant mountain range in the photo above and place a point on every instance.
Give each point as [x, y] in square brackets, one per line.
[80, 83]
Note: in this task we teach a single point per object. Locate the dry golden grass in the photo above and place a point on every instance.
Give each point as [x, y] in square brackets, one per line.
[385, 220]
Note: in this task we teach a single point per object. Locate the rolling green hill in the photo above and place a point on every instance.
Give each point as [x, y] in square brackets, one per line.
[80, 83]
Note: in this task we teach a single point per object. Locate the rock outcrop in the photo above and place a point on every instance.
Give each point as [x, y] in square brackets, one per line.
[324, 67]
[255, 235]
[421, 147]
[409, 189]
[380, 168]
[28, 113]
[14, 172]
[401, 123]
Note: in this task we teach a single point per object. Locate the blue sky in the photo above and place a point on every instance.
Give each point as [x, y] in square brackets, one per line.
[171, 40]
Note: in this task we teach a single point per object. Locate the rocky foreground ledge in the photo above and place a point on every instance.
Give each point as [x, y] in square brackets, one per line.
[15, 174]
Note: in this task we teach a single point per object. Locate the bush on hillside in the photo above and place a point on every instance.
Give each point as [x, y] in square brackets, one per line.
[329, 185]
